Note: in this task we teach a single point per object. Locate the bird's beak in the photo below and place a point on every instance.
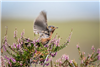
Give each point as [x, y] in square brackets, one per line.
[56, 27]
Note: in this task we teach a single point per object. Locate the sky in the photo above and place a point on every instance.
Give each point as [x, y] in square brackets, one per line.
[55, 10]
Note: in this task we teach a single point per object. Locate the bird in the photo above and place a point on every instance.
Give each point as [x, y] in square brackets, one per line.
[41, 27]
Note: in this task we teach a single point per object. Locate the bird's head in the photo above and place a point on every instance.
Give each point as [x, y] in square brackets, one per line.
[51, 28]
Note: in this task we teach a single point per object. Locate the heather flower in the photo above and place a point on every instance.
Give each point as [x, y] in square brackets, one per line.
[99, 56]
[98, 50]
[89, 55]
[52, 54]
[2, 61]
[60, 62]
[55, 53]
[7, 58]
[5, 43]
[46, 45]
[10, 63]
[13, 60]
[4, 47]
[38, 40]
[22, 34]
[93, 48]
[66, 57]
[71, 61]
[15, 34]
[57, 42]
[21, 64]
[18, 40]
[77, 46]
[50, 59]
[14, 45]
[5, 38]
[81, 61]
[47, 59]
[47, 64]
[29, 45]
[18, 46]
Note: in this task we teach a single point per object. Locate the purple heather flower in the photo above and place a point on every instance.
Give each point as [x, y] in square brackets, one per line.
[77, 46]
[29, 45]
[14, 45]
[60, 62]
[57, 42]
[50, 59]
[13, 59]
[55, 53]
[33, 41]
[99, 56]
[41, 63]
[10, 63]
[71, 61]
[18, 40]
[21, 64]
[21, 42]
[47, 59]
[98, 50]
[65, 57]
[47, 64]
[93, 48]
[5, 38]
[17, 46]
[37, 40]
[68, 40]
[4, 47]
[14, 33]
[81, 61]
[89, 55]
[22, 34]
[56, 61]
[5, 43]
[2, 61]
[7, 58]
[52, 55]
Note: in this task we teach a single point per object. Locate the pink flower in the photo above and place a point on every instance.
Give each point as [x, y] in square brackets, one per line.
[15, 34]
[93, 48]
[14, 45]
[4, 47]
[77, 46]
[13, 59]
[10, 63]
[66, 57]
[5, 43]
[60, 62]
[47, 64]
[22, 34]
[99, 56]
[82, 61]
[5, 38]
[50, 59]
[98, 50]
[7, 58]
[71, 61]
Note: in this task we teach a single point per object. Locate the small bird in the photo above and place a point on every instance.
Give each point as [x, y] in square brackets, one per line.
[41, 27]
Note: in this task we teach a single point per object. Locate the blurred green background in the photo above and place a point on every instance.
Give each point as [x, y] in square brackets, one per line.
[84, 19]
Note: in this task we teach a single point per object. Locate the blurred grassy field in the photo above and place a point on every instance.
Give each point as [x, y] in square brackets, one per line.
[86, 33]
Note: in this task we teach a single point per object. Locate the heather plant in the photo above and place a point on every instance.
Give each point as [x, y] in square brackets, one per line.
[26, 52]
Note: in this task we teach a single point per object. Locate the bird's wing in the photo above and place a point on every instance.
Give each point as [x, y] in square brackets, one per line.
[40, 23]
